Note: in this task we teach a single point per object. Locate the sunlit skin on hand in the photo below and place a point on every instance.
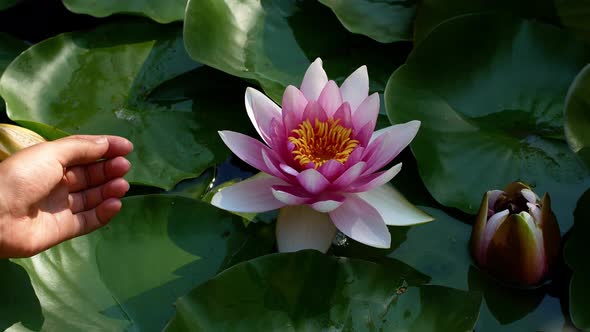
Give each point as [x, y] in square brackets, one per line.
[55, 191]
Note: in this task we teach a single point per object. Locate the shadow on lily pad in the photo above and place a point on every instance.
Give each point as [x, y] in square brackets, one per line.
[496, 295]
[19, 301]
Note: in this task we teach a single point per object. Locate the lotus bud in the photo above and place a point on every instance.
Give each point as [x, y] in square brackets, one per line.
[516, 236]
[15, 138]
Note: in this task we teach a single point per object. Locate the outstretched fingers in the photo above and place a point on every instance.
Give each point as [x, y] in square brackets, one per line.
[90, 198]
[90, 220]
[88, 176]
[85, 149]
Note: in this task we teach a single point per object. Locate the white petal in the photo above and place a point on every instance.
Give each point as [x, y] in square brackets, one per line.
[314, 80]
[300, 227]
[375, 180]
[394, 207]
[356, 88]
[312, 181]
[261, 110]
[251, 195]
[540, 260]
[493, 197]
[349, 176]
[535, 211]
[328, 202]
[389, 144]
[246, 148]
[360, 221]
[529, 195]
[490, 229]
[326, 206]
[289, 195]
[368, 111]
[330, 98]
[289, 170]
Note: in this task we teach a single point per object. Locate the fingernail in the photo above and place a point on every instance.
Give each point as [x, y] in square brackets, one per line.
[101, 140]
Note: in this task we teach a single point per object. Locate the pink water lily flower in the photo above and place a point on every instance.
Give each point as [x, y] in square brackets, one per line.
[321, 164]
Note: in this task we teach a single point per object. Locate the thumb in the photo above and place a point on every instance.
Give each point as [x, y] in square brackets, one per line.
[77, 150]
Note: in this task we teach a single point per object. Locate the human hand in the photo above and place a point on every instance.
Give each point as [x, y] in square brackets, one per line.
[54, 191]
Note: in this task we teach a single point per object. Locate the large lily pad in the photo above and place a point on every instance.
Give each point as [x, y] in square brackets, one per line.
[160, 11]
[134, 80]
[431, 13]
[577, 115]
[272, 42]
[384, 21]
[490, 90]
[310, 291]
[575, 253]
[164, 246]
[157, 249]
[67, 285]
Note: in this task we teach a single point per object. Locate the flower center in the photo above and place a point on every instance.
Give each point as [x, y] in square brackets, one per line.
[323, 141]
[515, 204]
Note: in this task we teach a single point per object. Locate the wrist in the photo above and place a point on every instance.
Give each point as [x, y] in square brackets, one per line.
[4, 207]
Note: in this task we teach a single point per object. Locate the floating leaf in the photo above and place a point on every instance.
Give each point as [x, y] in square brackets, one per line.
[490, 90]
[577, 115]
[134, 80]
[384, 21]
[160, 11]
[155, 250]
[431, 13]
[575, 253]
[311, 291]
[272, 42]
[191, 241]
[67, 284]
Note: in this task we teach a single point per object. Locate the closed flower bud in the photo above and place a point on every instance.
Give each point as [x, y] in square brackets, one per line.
[516, 237]
[15, 138]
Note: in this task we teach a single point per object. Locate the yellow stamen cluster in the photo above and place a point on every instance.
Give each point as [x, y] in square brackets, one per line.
[321, 142]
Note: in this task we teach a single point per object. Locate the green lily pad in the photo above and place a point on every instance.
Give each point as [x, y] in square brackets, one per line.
[431, 13]
[134, 80]
[440, 250]
[311, 291]
[577, 115]
[384, 21]
[575, 255]
[490, 90]
[272, 42]
[160, 247]
[160, 11]
[127, 275]
[68, 287]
